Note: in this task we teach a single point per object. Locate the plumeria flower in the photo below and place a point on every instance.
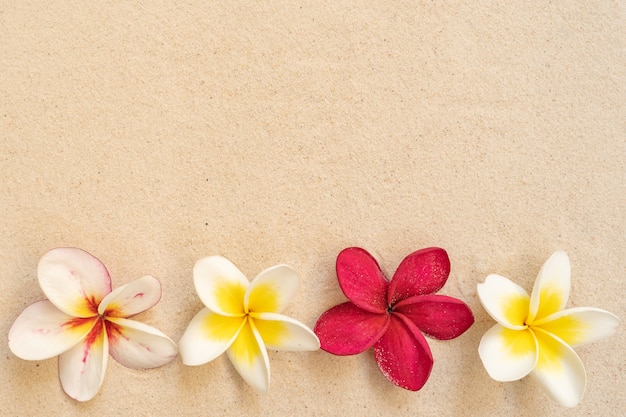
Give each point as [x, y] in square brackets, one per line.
[391, 315]
[243, 319]
[82, 321]
[535, 335]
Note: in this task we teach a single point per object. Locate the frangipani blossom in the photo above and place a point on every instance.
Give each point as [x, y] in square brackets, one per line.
[82, 321]
[391, 315]
[243, 319]
[535, 335]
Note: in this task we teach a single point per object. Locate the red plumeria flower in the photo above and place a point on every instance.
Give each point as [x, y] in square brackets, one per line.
[391, 315]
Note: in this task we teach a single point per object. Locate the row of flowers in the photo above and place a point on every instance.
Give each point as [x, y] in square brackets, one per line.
[84, 320]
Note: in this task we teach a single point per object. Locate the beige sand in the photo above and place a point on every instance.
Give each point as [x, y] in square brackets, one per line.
[270, 132]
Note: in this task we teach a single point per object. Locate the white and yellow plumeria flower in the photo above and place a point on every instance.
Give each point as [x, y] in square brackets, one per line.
[83, 321]
[243, 319]
[535, 335]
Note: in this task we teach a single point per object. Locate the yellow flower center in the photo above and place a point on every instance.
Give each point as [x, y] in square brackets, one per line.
[537, 328]
[263, 298]
[550, 301]
[517, 309]
[230, 297]
[242, 319]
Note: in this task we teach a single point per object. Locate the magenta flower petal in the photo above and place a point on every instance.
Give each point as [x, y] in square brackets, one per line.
[438, 316]
[390, 316]
[361, 280]
[347, 330]
[422, 272]
[403, 355]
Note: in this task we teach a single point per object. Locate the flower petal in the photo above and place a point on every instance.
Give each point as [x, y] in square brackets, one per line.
[505, 301]
[42, 331]
[249, 357]
[559, 370]
[422, 272]
[508, 355]
[581, 325]
[439, 316]
[284, 333]
[361, 280]
[137, 345]
[346, 329]
[272, 290]
[551, 289]
[82, 368]
[403, 355]
[208, 335]
[73, 280]
[220, 285]
[132, 298]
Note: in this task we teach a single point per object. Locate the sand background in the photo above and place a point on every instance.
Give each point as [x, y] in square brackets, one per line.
[155, 133]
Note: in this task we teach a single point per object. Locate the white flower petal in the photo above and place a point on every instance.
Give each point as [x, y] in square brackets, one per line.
[284, 333]
[559, 370]
[551, 289]
[42, 331]
[220, 285]
[82, 368]
[581, 325]
[272, 290]
[73, 280]
[137, 345]
[508, 355]
[207, 336]
[132, 298]
[506, 302]
[249, 357]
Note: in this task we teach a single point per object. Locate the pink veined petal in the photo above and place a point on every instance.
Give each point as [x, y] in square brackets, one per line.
[221, 286]
[559, 370]
[361, 280]
[137, 345]
[82, 368]
[272, 290]
[207, 336]
[580, 326]
[345, 329]
[508, 355]
[132, 298]
[249, 357]
[42, 331]
[280, 332]
[439, 316]
[74, 281]
[505, 301]
[552, 286]
[403, 355]
[422, 272]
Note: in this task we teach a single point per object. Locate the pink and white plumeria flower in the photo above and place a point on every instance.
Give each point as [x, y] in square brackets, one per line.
[535, 334]
[82, 321]
[243, 319]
